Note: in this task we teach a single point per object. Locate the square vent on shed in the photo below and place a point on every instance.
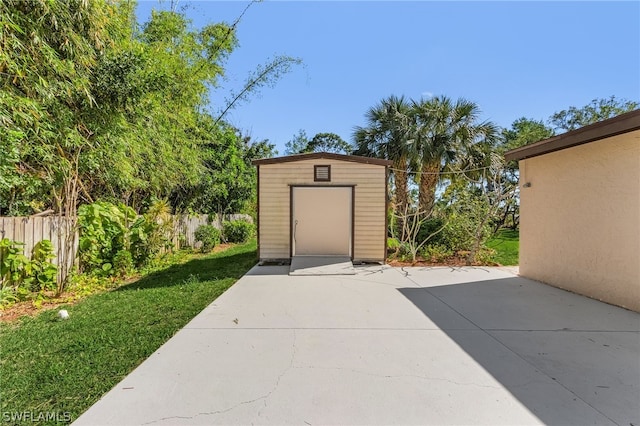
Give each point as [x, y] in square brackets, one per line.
[322, 173]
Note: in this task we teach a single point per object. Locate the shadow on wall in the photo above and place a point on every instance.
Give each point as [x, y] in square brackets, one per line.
[532, 337]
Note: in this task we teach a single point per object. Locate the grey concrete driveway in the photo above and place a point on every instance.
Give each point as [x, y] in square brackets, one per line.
[389, 346]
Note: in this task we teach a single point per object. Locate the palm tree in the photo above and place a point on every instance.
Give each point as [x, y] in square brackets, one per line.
[387, 135]
[444, 130]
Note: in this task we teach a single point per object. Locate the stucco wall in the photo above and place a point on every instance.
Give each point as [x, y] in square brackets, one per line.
[369, 206]
[580, 219]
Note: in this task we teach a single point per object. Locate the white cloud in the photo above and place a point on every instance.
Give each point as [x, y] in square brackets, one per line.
[427, 94]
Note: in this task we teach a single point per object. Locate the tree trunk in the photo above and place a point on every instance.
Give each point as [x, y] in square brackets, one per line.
[401, 193]
[428, 183]
[401, 180]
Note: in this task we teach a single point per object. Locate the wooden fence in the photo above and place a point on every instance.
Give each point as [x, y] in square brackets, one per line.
[185, 227]
[31, 230]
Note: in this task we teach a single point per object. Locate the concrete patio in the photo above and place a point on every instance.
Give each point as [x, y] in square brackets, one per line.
[389, 346]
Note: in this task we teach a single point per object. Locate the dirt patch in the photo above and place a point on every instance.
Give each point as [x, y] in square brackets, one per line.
[27, 308]
[221, 247]
[456, 261]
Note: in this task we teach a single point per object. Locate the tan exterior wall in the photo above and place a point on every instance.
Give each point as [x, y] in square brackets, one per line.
[580, 219]
[369, 206]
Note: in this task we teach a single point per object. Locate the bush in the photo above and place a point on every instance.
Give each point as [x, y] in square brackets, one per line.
[393, 245]
[7, 297]
[12, 263]
[42, 273]
[431, 228]
[123, 263]
[237, 231]
[24, 275]
[436, 253]
[103, 233]
[458, 233]
[208, 235]
[139, 245]
[485, 256]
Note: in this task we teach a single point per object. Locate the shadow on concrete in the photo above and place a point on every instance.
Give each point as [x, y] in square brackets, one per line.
[553, 350]
[321, 265]
[259, 270]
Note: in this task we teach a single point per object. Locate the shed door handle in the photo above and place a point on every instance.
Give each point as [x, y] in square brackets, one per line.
[295, 228]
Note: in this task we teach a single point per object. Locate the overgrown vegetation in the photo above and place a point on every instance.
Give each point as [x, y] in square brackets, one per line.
[23, 278]
[108, 121]
[450, 188]
[118, 110]
[50, 365]
[114, 239]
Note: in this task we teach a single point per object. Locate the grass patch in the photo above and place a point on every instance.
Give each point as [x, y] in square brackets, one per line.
[54, 366]
[506, 244]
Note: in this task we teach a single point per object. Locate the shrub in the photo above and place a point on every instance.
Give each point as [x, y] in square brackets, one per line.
[107, 229]
[485, 256]
[103, 233]
[26, 275]
[458, 233]
[237, 231]
[393, 245]
[404, 252]
[123, 263]
[140, 248]
[431, 229]
[208, 235]
[436, 253]
[160, 230]
[7, 297]
[42, 273]
[12, 263]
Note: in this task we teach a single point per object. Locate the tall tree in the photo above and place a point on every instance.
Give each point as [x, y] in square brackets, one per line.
[102, 106]
[388, 134]
[524, 131]
[597, 110]
[329, 142]
[298, 144]
[227, 184]
[321, 142]
[444, 129]
[45, 88]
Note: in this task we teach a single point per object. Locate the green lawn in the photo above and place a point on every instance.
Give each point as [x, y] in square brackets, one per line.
[62, 367]
[506, 244]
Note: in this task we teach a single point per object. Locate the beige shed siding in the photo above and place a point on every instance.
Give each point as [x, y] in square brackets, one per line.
[580, 219]
[369, 208]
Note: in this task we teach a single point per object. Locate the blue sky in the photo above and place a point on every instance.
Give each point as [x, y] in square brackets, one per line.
[513, 59]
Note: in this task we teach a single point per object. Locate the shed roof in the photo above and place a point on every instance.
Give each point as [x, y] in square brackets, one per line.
[322, 155]
[623, 123]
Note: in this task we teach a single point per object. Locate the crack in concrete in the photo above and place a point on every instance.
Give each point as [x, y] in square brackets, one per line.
[294, 350]
[251, 401]
[398, 376]
[210, 413]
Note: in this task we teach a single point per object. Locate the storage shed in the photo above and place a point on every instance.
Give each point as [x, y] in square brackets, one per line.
[322, 204]
[580, 210]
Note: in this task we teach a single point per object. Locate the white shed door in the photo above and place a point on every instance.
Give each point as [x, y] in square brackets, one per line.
[321, 221]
